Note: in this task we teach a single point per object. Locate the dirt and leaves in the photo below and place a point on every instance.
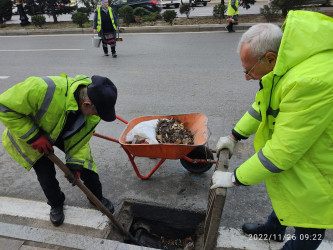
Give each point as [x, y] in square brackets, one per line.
[173, 131]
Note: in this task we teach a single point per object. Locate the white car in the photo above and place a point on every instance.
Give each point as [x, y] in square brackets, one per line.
[168, 3]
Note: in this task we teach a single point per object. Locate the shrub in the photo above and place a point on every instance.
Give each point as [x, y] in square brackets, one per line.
[84, 10]
[219, 10]
[140, 11]
[80, 18]
[270, 12]
[126, 12]
[185, 9]
[38, 20]
[169, 16]
[153, 16]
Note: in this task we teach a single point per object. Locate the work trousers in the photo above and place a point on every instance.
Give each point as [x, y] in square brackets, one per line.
[303, 238]
[46, 176]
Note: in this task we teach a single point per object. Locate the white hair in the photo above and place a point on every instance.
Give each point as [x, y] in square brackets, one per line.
[261, 38]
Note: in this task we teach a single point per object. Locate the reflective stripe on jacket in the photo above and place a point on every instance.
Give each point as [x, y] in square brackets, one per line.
[294, 140]
[99, 19]
[40, 106]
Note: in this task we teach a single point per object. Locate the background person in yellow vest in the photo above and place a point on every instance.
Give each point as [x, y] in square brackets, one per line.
[106, 24]
[292, 117]
[232, 15]
[40, 113]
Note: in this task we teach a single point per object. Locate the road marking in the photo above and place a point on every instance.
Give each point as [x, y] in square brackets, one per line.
[4, 77]
[34, 50]
[235, 239]
[41, 211]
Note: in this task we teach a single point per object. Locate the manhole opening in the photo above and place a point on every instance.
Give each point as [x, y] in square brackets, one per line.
[161, 227]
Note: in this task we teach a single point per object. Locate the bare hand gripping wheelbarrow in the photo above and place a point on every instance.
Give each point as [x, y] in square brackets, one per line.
[197, 158]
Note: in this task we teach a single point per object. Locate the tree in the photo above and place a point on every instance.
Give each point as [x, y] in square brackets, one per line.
[52, 8]
[5, 10]
[246, 3]
[286, 5]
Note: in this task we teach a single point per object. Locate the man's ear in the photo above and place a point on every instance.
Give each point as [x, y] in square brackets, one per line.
[87, 103]
[271, 57]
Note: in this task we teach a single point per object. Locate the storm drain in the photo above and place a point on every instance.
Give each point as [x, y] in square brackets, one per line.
[173, 229]
[160, 227]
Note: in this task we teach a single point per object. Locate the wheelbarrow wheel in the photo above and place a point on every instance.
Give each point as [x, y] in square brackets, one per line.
[200, 152]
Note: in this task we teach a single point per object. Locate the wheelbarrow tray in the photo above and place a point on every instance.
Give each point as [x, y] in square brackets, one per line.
[196, 123]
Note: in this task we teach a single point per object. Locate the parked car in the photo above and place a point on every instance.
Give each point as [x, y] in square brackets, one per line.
[195, 2]
[168, 3]
[203, 2]
[151, 5]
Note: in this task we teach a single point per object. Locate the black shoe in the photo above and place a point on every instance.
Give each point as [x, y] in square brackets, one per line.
[260, 232]
[106, 54]
[57, 215]
[107, 203]
[114, 55]
[229, 28]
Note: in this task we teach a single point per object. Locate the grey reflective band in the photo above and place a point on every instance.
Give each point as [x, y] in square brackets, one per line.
[47, 99]
[254, 114]
[18, 148]
[267, 163]
[91, 162]
[75, 161]
[273, 112]
[33, 128]
[4, 109]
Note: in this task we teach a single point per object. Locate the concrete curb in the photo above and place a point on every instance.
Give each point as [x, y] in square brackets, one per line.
[144, 29]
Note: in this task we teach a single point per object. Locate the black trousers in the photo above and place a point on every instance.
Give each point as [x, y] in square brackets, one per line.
[46, 176]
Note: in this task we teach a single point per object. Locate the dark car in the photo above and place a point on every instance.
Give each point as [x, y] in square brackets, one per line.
[151, 5]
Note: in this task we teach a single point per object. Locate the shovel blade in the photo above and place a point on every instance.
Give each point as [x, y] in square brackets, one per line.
[119, 39]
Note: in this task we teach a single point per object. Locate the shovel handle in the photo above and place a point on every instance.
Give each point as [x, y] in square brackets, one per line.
[91, 196]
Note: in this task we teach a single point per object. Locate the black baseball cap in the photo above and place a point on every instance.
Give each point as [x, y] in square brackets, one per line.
[103, 94]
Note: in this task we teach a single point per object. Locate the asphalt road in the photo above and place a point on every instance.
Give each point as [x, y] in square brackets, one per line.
[156, 74]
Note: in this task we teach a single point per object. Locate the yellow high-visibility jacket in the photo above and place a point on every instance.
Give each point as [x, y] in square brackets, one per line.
[40, 106]
[231, 11]
[293, 120]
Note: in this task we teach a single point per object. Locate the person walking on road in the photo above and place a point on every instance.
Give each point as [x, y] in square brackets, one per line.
[292, 117]
[42, 112]
[232, 15]
[106, 25]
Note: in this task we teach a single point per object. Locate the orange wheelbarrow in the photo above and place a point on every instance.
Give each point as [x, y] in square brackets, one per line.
[197, 158]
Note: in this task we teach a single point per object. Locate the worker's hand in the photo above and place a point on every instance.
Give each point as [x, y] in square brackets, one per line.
[43, 145]
[223, 179]
[226, 142]
[76, 177]
[95, 31]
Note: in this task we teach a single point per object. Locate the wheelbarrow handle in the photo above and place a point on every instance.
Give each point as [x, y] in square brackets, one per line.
[91, 196]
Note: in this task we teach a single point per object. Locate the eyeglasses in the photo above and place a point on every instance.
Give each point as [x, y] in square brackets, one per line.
[247, 73]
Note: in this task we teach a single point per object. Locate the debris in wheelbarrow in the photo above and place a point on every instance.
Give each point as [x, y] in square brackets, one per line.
[173, 131]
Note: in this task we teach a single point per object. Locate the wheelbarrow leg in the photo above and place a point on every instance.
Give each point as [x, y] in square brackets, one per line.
[143, 177]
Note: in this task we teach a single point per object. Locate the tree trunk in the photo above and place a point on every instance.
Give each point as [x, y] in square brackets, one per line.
[23, 17]
[55, 19]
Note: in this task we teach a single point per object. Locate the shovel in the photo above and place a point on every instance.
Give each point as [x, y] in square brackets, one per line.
[92, 197]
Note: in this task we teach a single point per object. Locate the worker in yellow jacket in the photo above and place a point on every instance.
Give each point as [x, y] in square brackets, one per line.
[42, 112]
[292, 117]
[232, 15]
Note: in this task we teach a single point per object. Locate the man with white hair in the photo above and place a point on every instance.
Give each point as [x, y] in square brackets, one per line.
[292, 117]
